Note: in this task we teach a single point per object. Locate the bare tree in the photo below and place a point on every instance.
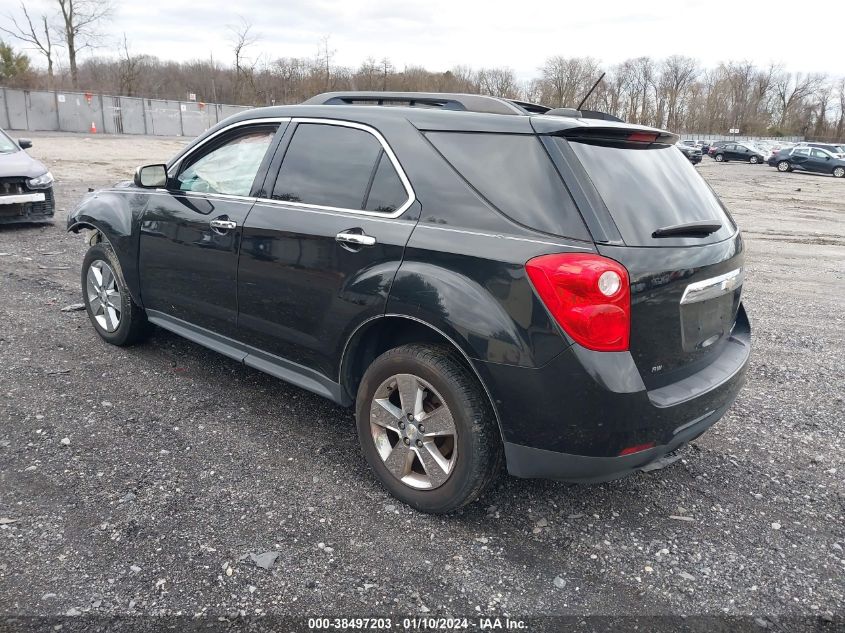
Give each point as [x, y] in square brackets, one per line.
[498, 82]
[677, 73]
[387, 69]
[325, 55]
[38, 38]
[80, 28]
[791, 90]
[129, 69]
[242, 38]
[566, 80]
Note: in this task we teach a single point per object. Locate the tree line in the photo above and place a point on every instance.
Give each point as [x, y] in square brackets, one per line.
[676, 93]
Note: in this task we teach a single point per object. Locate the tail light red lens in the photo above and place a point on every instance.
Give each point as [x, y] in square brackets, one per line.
[574, 287]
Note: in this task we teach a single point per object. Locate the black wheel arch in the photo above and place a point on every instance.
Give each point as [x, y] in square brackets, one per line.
[115, 215]
[381, 333]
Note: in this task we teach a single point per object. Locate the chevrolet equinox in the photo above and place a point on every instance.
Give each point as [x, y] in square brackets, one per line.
[482, 279]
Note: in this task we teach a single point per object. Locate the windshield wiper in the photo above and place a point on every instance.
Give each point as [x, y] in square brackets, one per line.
[690, 229]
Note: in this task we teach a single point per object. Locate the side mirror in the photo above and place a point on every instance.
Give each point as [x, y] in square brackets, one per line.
[24, 143]
[151, 176]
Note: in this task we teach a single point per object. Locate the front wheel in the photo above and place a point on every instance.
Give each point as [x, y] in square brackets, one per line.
[719, 158]
[784, 166]
[427, 428]
[115, 316]
[839, 172]
[753, 160]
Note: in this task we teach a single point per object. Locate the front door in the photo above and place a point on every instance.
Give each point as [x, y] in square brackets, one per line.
[319, 256]
[820, 161]
[191, 232]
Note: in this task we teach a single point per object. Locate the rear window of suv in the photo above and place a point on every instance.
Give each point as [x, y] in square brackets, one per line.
[515, 175]
[648, 189]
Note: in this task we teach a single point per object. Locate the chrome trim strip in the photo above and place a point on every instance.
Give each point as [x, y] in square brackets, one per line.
[713, 287]
[502, 237]
[20, 198]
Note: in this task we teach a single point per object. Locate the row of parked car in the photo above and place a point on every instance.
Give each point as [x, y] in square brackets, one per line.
[824, 158]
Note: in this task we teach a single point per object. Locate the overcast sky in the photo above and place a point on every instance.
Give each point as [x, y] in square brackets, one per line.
[439, 34]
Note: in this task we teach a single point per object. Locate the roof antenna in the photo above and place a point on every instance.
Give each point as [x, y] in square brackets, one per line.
[590, 91]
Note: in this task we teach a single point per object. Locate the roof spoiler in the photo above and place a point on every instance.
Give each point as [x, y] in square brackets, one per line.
[619, 134]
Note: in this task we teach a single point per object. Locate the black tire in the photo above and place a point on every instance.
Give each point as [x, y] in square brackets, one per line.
[838, 172]
[719, 158]
[784, 166]
[478, 445]
[132, 326]
[753, 160]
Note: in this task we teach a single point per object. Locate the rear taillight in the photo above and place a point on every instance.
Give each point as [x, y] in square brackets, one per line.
[588, 295]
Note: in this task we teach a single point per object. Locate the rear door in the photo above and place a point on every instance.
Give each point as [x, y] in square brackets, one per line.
[319, 255]
[801, 157]
[191, 231]
[685, 282]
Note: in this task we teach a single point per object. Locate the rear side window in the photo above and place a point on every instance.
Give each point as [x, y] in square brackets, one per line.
[341, 167]
[514, 174]
[650, 189]
[387, 192]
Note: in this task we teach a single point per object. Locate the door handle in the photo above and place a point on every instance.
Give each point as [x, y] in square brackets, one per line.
[355, 239]
[223, 225]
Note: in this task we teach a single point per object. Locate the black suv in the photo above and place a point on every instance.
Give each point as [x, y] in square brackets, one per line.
[482, 279]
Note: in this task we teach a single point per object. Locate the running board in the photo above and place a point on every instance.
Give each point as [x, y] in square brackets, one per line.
[276, 366]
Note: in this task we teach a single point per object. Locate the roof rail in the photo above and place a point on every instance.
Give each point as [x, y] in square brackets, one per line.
[451, 101]
[442, 100]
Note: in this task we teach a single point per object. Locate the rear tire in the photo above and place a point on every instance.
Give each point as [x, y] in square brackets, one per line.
[839, 172]
[115, 316]
[784, 166]
[449, 463]
[719, 158]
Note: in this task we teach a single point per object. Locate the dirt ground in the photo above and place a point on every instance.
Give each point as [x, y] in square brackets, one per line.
[139, 480]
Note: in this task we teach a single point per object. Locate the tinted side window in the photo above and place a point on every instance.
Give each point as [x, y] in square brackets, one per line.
[327, 165]
[514, 174]
[228, 168]
[387, 192]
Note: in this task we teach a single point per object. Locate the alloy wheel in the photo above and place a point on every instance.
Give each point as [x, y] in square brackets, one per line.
[783, 166]
[414, 431]
[839, 172]
[103, 295]
[719, 158]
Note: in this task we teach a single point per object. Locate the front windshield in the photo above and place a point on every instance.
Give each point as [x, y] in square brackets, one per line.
[7, 145]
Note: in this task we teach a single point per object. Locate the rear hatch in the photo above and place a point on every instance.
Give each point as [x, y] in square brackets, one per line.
[683, 252]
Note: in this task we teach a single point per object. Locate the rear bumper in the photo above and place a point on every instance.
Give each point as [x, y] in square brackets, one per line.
[572, 418]
[529, 462]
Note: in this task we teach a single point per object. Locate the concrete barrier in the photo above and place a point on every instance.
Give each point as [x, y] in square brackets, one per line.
[77, 111]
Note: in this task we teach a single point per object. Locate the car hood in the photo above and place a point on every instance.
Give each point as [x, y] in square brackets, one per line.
[20, 164]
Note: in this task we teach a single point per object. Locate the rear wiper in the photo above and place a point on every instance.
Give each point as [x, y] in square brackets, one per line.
[690, 229]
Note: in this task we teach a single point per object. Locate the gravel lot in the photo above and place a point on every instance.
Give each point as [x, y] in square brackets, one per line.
[140, 480]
